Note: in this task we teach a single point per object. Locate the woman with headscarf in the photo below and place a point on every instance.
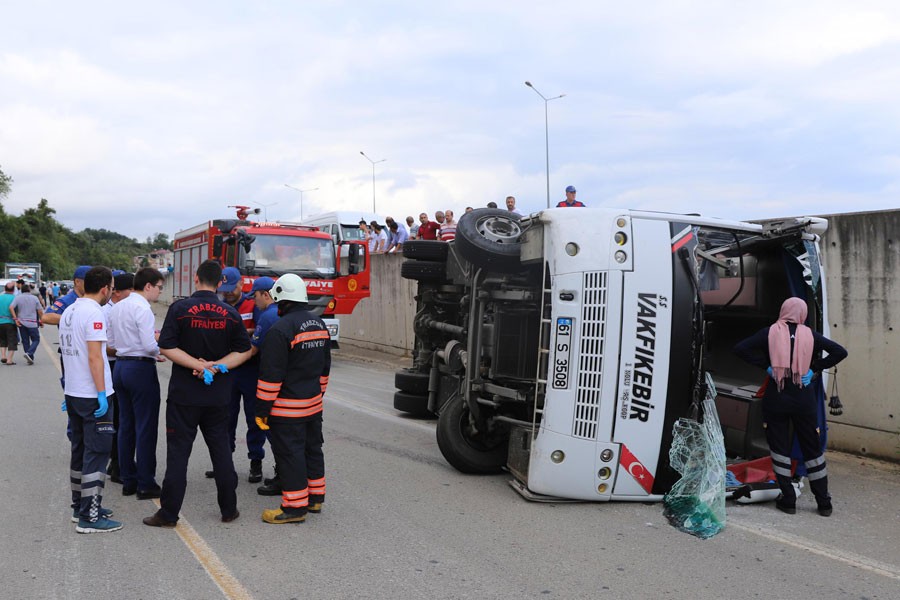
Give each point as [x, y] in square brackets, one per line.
[791, 353]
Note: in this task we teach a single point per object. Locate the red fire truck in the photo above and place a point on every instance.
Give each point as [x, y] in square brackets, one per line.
[336, 280]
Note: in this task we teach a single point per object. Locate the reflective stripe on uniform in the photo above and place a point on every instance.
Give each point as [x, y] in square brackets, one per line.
[297, 408]
[309, 336]
[295, 499]
[316, 486]
[266, 390]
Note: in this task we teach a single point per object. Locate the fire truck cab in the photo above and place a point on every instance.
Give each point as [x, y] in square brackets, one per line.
[336, 281]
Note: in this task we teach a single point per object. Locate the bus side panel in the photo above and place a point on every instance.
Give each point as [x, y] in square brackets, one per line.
[681, 376]
[644, 358]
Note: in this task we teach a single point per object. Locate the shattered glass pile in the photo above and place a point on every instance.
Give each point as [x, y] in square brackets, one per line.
[696, 503]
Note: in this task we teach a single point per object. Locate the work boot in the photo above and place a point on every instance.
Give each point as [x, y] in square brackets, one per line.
[256, 474]
[277, 516]
[271, 489]
[315, 504]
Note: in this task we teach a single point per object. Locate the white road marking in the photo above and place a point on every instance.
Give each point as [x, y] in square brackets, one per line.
[855, 560]
[393, 417]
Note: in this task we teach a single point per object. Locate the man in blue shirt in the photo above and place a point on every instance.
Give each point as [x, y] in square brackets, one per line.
[268, 315]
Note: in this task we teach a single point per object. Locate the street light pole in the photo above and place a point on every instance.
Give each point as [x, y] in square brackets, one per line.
[546, 132]
[266, 209]
[374, 162]
[301, 196]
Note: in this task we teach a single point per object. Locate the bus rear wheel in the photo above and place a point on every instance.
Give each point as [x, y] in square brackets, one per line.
[467, 450]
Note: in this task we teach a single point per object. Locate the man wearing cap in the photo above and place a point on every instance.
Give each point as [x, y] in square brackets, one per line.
[293, 375]
[133, 335]
[204, 338]
[267, 315]
[123, 283]
[244, 379]
[570, 200]
[54, 312]
[83, 333]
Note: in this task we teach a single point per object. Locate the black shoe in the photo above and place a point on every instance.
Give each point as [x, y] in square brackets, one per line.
[115, 478]
[210, 474]
[157, 520]
[270, 490]
[236, 514]
[272, 480]
[783, 506]
[129, 489]
[149, 494]
[824, 509]
[255, 471]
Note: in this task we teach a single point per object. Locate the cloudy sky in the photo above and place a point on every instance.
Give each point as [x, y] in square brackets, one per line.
[153, 117]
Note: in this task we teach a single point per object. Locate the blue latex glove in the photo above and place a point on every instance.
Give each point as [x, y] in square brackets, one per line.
[104, 405]
[63, 406]
[208, 376]
[221, 368]
[806, 379]
[770, 372]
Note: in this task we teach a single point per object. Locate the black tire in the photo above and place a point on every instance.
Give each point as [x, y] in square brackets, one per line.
[413, 404]
[465, 454]
[489, 238]
[411, 381]
[429, 272]
[425, 250]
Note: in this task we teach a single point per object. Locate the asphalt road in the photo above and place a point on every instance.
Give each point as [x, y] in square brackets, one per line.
[400, 523]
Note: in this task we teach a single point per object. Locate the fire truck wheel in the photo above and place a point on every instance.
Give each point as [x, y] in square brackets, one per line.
[489, 238]
[413, 404]
[425, 250]
[408, 380]
[466, 450]
[423, 271]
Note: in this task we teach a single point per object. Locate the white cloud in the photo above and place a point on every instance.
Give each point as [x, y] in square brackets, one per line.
[146, 121]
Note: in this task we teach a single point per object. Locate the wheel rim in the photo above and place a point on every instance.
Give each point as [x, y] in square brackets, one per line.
[480, 443]
[502, 230]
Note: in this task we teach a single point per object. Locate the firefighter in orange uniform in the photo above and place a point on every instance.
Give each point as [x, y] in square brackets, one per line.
[295, 360]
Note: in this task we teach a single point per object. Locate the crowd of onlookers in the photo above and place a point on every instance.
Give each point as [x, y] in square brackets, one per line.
[389, 238]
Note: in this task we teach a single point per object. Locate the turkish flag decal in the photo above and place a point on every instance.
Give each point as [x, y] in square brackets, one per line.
[98, 325]
[637, 470]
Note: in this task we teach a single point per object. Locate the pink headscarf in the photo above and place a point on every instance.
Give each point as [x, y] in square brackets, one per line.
[783, 366]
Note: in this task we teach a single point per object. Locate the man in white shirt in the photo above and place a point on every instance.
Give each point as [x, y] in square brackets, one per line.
[133, 335]
[123, 283]
[82, 342]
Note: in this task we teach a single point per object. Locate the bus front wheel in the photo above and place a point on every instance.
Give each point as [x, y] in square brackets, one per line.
[468, 450]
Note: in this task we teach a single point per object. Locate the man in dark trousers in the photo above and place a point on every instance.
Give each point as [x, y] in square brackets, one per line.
[82, 344]
[293, 372]
[204, 338]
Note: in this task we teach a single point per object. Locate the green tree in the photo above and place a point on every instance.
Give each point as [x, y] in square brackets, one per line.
[5, 185]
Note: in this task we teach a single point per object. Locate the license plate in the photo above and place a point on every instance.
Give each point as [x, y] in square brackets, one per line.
[562, 353]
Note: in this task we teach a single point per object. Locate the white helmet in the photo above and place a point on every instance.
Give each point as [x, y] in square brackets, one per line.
[289, 287]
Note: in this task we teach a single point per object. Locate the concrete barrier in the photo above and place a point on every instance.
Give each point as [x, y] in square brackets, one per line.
[861, 254]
